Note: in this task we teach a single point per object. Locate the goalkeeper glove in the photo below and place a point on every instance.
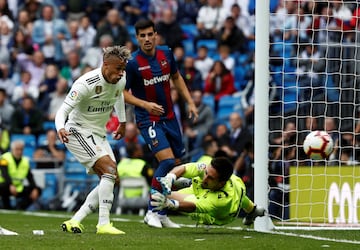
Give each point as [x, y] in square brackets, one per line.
[160, 202]
[166, 182]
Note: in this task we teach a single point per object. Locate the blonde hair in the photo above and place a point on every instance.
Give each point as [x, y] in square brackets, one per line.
[122, 52]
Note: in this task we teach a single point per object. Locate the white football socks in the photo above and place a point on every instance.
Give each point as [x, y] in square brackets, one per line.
[90, 205]
[106, 197]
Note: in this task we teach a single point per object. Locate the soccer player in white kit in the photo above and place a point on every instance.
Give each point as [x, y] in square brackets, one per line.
[80, 124]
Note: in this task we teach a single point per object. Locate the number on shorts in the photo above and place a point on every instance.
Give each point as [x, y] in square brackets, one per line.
[92, 138]
[151, 132]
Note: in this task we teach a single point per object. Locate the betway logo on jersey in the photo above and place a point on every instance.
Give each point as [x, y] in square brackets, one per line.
[157, 79]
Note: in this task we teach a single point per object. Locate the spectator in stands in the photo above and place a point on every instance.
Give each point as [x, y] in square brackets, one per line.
[232, 36]
[132, 135]
[195, 131]
[278, 22]
[219, 82]
[24, 88]
[170, 29]
[86, 34]
[157, 7]
[179, 107]
[14, 169]
[49, 83]
[179, 56]
[244, 168]
[310, 64]
[21, 43]
[133, 10]
[287, 136]
[244, 22]
[226, 57]
[93, 56]
[73, 9]
[74, 42]
[209, 148]
[6, 110]
[48, 32]
[27, 118]
[210, 19]
[34, 64]
[72, 67]
[187, 11]
[191, 75]
[234, 142]
[113, 26]
[283, 157]
[220, 131]
[6, 81]
[52, 102]
[50, 153]
[203, 62]
[6, 34]
[32, 7]
[342, 15]
[23, 23]
[5, 10]
[323, 27]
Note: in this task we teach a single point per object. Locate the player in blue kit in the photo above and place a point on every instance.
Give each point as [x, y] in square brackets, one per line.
[148, 76]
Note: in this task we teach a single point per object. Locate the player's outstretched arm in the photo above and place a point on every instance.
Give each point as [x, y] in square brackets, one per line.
[151, 107]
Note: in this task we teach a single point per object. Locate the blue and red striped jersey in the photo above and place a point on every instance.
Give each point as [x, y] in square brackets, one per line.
[148, 78]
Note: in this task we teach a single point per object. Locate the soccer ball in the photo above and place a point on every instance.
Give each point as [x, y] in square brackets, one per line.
[318, 145]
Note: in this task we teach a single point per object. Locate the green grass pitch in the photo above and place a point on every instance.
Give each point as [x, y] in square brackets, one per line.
[140, 236]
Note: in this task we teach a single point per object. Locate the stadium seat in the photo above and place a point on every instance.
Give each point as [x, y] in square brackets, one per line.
[189, 47]
[49, 125]
[140, 202]
[132, 33]
[29, 140]
[190, 31]
[227, 105]
[211, 44]
[210, 101]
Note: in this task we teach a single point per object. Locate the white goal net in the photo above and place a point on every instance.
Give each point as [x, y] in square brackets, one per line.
[314, 74]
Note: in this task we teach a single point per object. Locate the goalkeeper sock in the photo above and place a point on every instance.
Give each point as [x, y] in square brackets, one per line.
[106, 197]
[90, 205]
[247, 204]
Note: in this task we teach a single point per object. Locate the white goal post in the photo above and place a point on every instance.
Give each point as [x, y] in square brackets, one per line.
[309, 55]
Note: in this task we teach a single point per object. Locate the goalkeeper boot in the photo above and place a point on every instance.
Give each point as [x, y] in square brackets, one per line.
[250, 218]
[108, 229]
[152, 219]
[166, 222]
[72, 226]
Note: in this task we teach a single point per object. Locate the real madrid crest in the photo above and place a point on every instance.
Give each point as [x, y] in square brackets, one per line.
[98, 89]
[117, 93]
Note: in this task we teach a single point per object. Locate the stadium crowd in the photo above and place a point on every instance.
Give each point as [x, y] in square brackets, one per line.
[45, 45]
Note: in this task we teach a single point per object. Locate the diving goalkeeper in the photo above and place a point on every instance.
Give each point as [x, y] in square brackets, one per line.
[215, 196]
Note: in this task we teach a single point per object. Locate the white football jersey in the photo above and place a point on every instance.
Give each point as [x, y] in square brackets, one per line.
[92, 99]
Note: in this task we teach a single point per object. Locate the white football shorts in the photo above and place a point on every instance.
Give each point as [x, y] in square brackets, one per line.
[87, 147]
